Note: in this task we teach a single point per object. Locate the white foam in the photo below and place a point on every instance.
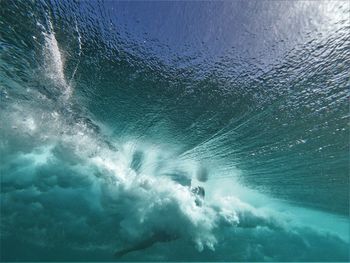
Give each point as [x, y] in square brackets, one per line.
[54, 62]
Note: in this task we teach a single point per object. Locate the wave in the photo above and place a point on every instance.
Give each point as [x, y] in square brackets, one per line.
[96, 170]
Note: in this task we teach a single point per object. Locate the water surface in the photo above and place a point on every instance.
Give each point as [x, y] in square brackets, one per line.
[112, 113]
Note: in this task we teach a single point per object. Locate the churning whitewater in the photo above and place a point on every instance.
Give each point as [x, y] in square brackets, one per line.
[110, 152]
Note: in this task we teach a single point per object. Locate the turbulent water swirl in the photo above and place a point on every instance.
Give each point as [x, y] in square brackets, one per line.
[192, 133]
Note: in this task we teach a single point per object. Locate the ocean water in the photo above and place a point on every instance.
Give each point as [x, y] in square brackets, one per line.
[174, 131]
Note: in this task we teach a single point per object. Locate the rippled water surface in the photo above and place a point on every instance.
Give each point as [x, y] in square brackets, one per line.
[174, 131]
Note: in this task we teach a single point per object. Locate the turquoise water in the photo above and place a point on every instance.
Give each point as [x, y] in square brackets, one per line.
[113, 114]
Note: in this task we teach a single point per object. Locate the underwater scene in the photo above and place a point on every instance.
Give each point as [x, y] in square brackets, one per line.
[174, 130]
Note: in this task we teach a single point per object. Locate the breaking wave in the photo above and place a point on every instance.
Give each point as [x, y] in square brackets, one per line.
[92, 172]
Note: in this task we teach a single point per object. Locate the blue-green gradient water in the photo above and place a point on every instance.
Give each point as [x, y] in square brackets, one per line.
[112, 114]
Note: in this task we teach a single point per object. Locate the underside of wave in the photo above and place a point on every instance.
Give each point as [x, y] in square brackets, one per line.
[64, 188]
[70, 192]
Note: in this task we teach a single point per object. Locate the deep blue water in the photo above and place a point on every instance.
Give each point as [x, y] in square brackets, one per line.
[174, 130]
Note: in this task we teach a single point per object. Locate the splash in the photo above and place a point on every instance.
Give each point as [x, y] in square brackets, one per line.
[134, 161]
[131, 192]
[54, 62]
